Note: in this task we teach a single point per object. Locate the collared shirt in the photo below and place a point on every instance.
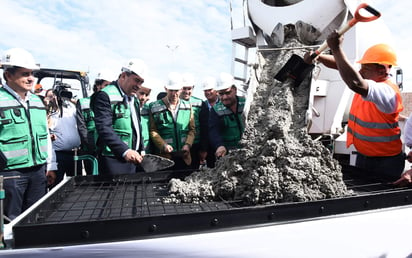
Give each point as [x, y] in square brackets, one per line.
[17, 96]
[173, 111]
[133, 112]
[210, 106]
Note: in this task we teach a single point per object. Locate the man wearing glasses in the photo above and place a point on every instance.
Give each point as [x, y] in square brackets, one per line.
[226, 124]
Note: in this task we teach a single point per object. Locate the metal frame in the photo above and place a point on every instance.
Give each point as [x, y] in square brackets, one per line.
[152, 218]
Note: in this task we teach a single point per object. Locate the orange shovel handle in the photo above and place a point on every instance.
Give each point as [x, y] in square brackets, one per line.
[357, 18]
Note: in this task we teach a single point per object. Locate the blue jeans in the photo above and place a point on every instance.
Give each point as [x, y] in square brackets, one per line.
[24, 191]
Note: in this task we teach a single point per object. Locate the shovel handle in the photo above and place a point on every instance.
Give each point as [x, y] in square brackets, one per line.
[357, 18]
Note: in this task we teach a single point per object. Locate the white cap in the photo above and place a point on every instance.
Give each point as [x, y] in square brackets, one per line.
[225, 81]
[136, 66]
[106, 75]
[174, 81]
[188, 80]
[209, 83]
[18, 57]
[150, 83]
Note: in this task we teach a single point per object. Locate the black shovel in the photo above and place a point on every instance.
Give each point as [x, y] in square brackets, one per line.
[297, 69]
[152, 163]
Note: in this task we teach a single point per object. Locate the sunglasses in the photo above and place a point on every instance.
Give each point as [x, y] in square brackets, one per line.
[227, 93]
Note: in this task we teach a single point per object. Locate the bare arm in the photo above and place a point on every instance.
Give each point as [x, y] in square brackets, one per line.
[328, 61]
[350, 76]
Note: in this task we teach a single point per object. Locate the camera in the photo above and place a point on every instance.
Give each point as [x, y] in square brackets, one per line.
[60, 89]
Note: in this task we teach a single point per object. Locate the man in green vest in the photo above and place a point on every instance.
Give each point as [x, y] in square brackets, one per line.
[201, 116]
[226, 123]
[27, 161]
[172, 127]
[117, 119]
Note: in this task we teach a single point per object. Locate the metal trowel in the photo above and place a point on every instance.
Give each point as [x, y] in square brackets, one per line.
[152, 163]
[297, 69]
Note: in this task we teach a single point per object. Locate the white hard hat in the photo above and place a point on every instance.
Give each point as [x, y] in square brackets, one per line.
[209, 83]
[149, 83]
[106, 75]
[136, 66]
[18, 57]
[174, 81]
[225, 81]
[188, 80]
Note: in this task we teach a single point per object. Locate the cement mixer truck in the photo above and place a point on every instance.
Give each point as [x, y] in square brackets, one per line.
[97, 216]
[329, 98]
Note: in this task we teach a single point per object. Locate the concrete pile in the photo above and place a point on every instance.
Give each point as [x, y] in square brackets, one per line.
[278, 161]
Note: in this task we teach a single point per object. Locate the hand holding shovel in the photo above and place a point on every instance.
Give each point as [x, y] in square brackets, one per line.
[297, 69]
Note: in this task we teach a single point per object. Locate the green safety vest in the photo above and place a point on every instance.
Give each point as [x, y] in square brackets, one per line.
[232, 123]
[196, 107]
[122, 119]
[173, 132]
[88, 116]
[23, 134]
[145, 122]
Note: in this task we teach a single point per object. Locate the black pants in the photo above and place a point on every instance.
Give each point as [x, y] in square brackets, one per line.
[194, 153]
[109, 165]
[65, 165]
[389, 168]
[24, 191]
[211, 158]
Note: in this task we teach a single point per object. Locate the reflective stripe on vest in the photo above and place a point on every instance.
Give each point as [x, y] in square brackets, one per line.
[375, 138]
[373, 125]
[16, 153]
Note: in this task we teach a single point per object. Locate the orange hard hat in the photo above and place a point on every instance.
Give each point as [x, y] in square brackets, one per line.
[379, 54]
[38, 87]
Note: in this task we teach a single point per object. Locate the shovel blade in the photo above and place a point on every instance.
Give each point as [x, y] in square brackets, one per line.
[152, 163]
[296, 69]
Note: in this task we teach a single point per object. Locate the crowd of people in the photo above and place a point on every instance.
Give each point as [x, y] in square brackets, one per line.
[119, 124]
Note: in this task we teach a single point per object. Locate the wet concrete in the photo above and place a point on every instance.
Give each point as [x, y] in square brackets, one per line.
[278, 161]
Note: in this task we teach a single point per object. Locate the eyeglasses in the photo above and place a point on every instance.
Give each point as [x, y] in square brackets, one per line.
[227, 93]
[139, 81]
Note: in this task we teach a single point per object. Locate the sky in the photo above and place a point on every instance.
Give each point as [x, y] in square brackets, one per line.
[170, 36]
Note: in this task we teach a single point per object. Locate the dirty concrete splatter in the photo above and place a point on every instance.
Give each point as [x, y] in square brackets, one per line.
[278, 161]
